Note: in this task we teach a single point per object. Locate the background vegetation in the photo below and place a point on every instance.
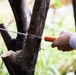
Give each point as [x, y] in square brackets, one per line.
[50, 60]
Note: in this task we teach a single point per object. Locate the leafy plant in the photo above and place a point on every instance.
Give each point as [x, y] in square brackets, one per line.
[57, 3]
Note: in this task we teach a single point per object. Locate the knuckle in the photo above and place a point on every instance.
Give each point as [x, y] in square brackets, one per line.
[62, 32]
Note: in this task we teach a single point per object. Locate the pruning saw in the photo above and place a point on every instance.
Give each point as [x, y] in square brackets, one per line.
[46, 38]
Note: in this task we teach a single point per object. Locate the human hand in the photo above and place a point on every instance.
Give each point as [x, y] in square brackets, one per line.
[62, 42]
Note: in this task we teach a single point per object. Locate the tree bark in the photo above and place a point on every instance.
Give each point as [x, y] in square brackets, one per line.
[74, 9]
[22, 16]
[24, 61]
[6, 37]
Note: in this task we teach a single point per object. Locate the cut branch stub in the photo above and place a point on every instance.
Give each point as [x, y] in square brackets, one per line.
[8, 59]
[22, 14]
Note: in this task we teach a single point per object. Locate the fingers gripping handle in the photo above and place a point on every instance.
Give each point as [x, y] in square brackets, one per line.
[50, 39]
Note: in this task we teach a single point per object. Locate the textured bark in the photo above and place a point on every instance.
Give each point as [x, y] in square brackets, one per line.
[6, 37]
[22, 16]
[24, 61]
[13, 68]
[32, 45]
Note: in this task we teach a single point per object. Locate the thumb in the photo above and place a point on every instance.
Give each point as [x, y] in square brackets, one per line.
[53, 45]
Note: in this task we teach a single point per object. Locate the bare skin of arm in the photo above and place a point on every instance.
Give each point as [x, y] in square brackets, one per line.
[62, 42]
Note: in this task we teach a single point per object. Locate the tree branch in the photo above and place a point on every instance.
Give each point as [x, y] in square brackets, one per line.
[27, 57]
[6, 37]
[8, 59]
[22, 16]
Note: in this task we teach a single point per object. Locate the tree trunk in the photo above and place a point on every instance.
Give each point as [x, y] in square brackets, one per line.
[22, 62]
[74, 9]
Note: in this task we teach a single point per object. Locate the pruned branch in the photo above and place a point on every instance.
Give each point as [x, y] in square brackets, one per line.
[9, 62]
[6, 37]
[25, 59]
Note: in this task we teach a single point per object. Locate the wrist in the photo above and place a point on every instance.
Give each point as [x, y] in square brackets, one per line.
[72, 41]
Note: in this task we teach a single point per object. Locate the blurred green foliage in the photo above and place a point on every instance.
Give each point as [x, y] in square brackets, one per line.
[50, 61]
[57, 3]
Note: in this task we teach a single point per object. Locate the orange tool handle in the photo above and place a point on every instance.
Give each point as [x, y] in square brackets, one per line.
[50, 39]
